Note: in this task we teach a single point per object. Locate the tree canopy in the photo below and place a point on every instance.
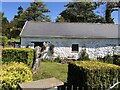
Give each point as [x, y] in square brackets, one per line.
[81, 12]
[84, 12]
[60, 19]
[110, 7]
[5, 26]
[35, 12]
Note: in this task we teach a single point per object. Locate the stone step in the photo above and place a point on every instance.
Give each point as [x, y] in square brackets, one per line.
[44, 84]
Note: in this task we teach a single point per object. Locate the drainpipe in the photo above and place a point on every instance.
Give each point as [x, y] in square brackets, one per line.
[119, 15]
[119, 26]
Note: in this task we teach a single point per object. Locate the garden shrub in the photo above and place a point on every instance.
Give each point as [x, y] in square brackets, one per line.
[106, 59]
[4, 40]
[92, 74]
[111, 59]
[14, 73]
[57, 59]
[83, 55]
[25, 55]
[116, 59]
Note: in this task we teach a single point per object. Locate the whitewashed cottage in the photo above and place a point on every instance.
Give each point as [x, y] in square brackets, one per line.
[70, 38]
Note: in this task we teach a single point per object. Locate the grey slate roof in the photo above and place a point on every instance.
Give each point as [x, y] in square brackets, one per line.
[69, 30]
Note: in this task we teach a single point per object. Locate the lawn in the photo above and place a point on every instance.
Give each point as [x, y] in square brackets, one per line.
[52, 69]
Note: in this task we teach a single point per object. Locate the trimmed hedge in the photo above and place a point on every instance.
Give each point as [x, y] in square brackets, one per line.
[14, 73]
[25, 55]
[116, 59]
[92, 74]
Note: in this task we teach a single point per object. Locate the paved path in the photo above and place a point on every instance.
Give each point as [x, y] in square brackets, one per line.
[41, 84]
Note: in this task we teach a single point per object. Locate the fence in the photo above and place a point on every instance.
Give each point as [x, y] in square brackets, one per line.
[115, 86]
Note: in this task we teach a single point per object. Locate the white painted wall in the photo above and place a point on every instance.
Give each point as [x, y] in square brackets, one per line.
[94, 47]
[118, 15]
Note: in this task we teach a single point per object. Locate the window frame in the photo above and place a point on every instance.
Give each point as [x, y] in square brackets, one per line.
[77, 50]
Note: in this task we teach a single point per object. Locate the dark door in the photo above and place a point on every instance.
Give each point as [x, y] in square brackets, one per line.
[38, 44]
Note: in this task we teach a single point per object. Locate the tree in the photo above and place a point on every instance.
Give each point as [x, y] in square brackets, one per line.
[5, 26]
[81, 12]
[5, 21]
[36, 12]
[110, 7]
[17, 23]
[60, 19]
[0, 22]
[20, 11]
[4, 41]
[15, 32]
[18, 20]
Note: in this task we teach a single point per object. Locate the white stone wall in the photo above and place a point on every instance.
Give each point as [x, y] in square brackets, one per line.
[119, 24]
[94, 47]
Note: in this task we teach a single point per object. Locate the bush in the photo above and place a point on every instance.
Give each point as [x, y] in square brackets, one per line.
[15, 32]
[4, 40]
[92, 74]
[57, 59]
[106, 59]
[83, 55]
[25, 55]
[10, 41]
[14, 73]
[116, 59]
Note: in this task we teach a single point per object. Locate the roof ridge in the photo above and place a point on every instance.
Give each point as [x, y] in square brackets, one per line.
[73, 23]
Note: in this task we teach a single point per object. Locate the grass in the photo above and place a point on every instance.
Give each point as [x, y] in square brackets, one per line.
[52, 69]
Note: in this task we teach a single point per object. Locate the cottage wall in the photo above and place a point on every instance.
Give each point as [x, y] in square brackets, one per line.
[63, 47]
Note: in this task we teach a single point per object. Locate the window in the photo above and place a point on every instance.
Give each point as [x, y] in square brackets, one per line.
[75, 47]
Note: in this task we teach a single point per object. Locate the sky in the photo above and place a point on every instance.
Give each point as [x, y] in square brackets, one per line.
[10, 9]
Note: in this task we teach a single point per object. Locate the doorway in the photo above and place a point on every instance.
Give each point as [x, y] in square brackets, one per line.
[38, 44]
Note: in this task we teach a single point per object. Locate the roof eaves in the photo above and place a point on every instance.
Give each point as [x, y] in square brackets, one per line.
[23, 28]
[68, 37]
[74, 23]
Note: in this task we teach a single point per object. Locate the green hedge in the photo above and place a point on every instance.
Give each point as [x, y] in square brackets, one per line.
[14, 73]
[92, 74]
[25, 55]
[116, 59]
